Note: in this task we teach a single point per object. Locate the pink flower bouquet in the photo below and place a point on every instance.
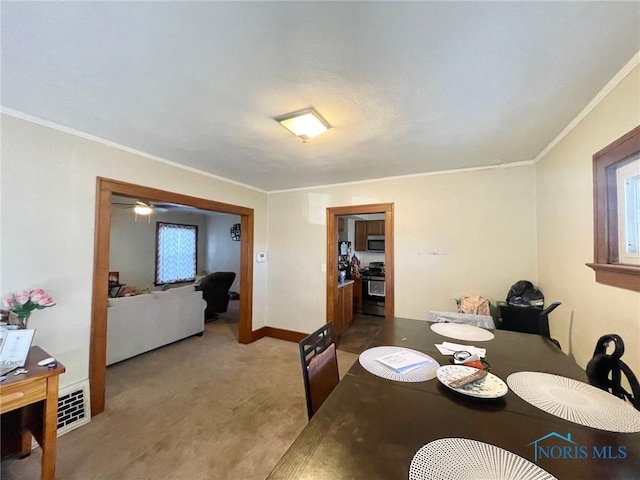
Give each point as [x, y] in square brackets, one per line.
[24, 302]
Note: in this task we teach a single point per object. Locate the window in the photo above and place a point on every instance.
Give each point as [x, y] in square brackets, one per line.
[176, 252]
[628, 188]
[616, 188]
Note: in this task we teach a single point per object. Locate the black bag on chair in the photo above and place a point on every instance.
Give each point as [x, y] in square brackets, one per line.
[523, 293]
[605, 371]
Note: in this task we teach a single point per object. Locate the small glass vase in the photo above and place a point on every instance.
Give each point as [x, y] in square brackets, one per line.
[21, 319]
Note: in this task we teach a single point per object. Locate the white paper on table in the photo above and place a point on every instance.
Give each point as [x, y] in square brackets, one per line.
[14, 347]
[448, 348]
[403, 361]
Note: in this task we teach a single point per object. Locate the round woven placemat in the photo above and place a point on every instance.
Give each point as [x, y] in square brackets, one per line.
[462, 331]
[464, 459]
[575, 401]
[369, 360]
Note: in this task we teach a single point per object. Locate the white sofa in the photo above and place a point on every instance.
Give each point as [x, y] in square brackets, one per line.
[143, 322]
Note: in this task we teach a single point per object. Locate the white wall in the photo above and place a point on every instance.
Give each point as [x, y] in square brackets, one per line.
[468, 232]
[565, 232]
[48, 209]
[223, 254]
[132, 248]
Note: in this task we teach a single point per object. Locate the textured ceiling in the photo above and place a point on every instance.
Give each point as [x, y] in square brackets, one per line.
[408, 87]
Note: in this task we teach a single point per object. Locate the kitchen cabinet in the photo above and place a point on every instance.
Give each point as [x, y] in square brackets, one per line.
[347, 305]
[357, 295]
[364, 229]
[375, 227]
[342, 230]
[361, 236]
[343, 307]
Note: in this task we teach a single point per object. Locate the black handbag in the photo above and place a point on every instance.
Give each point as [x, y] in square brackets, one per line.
[523, 293]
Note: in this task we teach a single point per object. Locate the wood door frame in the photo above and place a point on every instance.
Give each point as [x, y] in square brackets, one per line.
[105, 188]
[332, 253]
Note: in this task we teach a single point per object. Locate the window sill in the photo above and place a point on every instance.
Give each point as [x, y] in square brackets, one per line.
[623, 276]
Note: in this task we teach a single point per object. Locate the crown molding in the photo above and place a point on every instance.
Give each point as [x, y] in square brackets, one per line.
[72, 131]
[601, 95]
[410, 175]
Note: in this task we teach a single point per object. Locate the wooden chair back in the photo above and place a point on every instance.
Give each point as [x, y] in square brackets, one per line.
[319, 366]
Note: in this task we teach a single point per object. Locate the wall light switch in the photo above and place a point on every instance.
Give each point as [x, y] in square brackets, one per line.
[323, 267]
[261, 257]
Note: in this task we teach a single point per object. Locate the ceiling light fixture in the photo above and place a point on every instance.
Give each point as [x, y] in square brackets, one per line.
[306, 123]
[143, 210]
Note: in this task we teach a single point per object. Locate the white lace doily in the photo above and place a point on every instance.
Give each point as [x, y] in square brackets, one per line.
[464, 459]
[462, 331]
[369, 360]
[575, 401]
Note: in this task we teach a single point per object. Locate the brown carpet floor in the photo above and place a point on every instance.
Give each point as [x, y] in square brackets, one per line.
[202, 408]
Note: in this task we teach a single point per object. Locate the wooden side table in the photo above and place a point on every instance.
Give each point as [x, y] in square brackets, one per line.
[31, 402]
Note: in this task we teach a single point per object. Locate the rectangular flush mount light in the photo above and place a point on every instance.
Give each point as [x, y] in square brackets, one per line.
[306, 123]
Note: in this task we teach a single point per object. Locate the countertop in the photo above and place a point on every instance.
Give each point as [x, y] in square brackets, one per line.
[346, 282]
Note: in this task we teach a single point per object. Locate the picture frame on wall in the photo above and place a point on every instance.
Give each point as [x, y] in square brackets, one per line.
[114, 277]
[235, 232]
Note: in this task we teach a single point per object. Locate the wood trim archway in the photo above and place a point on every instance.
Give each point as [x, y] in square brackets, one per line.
[332, 252]
[105, 188]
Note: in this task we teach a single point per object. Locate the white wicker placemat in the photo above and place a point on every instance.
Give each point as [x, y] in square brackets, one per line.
[369, 360]
[575, 401]
[464, 459]
[462, 331]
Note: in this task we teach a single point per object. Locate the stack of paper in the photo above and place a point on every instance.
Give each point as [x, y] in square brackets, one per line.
[404, 361]
[448, 348]
[14, 348]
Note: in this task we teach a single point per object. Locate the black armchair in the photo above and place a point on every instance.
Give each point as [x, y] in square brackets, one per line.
[526, 319]
[215, 291]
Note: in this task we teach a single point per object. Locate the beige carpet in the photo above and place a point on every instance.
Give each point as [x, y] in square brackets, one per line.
[203, 408]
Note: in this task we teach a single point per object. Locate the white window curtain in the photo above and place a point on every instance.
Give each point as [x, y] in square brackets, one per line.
[176, 259]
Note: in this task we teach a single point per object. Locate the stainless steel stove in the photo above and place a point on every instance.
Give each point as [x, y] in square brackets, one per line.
[373, 289]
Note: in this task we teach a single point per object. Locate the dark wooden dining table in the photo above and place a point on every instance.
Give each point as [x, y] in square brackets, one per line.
[371, 428]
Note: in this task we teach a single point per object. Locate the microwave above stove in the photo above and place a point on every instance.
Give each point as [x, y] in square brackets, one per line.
[375, 243]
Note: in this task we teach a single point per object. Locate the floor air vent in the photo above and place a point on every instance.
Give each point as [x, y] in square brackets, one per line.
[73, 407]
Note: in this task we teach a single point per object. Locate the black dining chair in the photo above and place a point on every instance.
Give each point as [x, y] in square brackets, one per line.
[526, 320]
[319, 366]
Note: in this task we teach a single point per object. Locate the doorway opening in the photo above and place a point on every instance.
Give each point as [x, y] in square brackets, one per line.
[359, 296]
[105, 189]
